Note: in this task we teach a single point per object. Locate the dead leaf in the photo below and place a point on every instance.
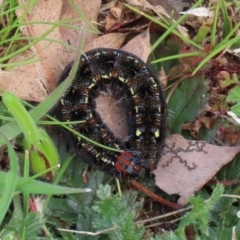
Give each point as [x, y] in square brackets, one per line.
[112, 114]
[163, 77]
[23, 79]
[187, 165]
[34, 81]
[110, 23]
[207, 122]
[193, 127]
[111, 40]
[90, 10]
[140, 45]
[49, 52]
[229, 135]
[114, 16]
[117, 11]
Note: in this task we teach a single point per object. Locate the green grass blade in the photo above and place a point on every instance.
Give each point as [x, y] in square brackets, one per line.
[9, 183]
[178, 56]
[227, 26]
[36, 187]
[214, 26]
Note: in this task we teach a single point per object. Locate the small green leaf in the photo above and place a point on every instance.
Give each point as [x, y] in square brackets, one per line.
[43, 154]
[185, 103]
[202, 33]
[234, 95]
[236, 109]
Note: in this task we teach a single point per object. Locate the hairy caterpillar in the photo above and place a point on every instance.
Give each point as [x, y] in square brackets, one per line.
[142, 99]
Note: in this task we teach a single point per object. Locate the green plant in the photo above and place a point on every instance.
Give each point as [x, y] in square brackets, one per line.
[103, 213]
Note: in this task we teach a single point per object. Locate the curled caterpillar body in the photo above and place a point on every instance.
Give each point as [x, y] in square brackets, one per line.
[142, 99]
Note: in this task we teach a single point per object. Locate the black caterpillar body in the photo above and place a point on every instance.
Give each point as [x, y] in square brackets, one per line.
[140, 91]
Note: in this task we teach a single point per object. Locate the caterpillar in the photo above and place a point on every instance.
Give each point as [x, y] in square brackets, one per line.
[141, 97]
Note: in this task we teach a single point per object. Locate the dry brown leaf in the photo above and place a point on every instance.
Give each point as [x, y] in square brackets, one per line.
[90, 9]
[113, 115]
[187, 165]
[140, 45]
[193, 127]
[116, 10]
[109, 22]
[111, 40]
[23, 80]
[35, 81]
[163, 77]
[49, 52]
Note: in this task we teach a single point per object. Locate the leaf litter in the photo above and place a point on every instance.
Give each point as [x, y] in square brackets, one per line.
[35, 81]
[186, 165]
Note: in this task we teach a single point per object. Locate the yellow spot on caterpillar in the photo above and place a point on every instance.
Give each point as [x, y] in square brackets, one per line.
[136, 109]
[152, 80]
[157, 134]
[131, 91]
[129, 57]
[105, 76]
[97, 54]
[92, 85]
[116, 146]
[105, 160]
[138, 132]
[86, 100]
[121, 79]
[62, 102]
